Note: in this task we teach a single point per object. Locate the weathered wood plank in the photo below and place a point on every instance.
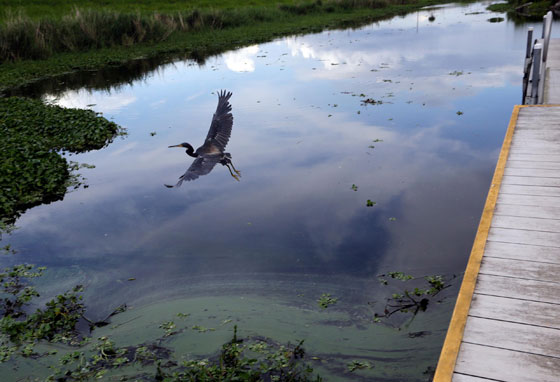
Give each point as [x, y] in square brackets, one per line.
[535, 141]
[521, 269]
[536, 112]
[529, 200]
[542, 134]
[515, 189]
[513, 310]
[531, 290]
[535, 158]
[518, 236]
[506, 365]
[538, 116]
[534, 149]
[544, 212]
[552, 83]
[531, 181]
[534, 173]
[512, 336]
[522, 252]
[538, 144]
[514, 162]
[536, 124]
[528, 224]
[469, 378]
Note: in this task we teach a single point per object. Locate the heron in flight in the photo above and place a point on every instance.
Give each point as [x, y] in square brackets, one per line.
[212, 151]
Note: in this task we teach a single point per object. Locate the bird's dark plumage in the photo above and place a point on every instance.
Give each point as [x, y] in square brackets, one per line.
[212, 150]
[222, 122]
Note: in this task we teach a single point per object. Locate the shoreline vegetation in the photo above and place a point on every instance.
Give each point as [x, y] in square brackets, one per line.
[526, 10]
[70, 39]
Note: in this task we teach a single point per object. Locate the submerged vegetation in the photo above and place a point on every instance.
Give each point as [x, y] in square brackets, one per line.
[21, 332]
[410, 301]
[32, 136]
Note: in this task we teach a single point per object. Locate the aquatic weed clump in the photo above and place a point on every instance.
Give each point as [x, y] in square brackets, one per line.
[238, 360]
[31, 136]
[411, 301]
[80, 358]
[20, 327]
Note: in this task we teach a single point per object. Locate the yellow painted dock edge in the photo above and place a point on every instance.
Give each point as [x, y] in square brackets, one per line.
[452, 343]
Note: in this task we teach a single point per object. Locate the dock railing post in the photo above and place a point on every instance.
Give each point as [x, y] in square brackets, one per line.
[529, 42]
[547, 27]
[536, 75]
[527, 64]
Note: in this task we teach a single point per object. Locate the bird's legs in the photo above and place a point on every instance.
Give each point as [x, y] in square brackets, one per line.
[234, 169]
[227, 162]
[231, 172]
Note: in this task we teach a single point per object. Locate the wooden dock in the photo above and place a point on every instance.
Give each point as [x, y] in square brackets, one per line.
[506, 322]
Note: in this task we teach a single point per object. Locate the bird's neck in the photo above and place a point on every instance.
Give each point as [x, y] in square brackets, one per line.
[190, 151]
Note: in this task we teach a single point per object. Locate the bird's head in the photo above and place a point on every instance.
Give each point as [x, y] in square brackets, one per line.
[184, 144]
[190, 149]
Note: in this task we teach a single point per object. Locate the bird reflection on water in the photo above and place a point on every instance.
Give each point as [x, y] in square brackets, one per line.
[212, 151]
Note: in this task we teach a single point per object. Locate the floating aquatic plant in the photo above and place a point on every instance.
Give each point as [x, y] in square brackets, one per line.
[410, 300]
[32, 137]
[326, 300]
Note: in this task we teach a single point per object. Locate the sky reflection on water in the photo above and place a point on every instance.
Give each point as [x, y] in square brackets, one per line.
[301, 139]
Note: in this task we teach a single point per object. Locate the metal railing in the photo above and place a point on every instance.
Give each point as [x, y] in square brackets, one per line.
[534, 70]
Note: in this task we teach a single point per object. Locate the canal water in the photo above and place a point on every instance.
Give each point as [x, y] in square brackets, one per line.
[362, 151]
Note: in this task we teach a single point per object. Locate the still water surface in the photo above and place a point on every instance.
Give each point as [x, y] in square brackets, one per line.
[262, 250]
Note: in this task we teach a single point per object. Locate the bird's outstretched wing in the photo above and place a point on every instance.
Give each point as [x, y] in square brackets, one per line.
[200, 166]
[222, 122]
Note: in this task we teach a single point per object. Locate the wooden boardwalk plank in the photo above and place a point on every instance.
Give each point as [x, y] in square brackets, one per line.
[530, 290]
[513, 336]
[506, 365]
[528, 224]
[518, 311]
[533, 164]
[518, 236]
[528, 270]
[531, 181]
[550, 134]
[522, 252]
[469, 378]
[516, 189]
[529, 200]
[533, 173]
[535, 144]
[543, 212]
[535, 158]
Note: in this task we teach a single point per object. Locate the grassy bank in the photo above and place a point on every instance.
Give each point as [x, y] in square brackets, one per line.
[526, 10]
[103, 41]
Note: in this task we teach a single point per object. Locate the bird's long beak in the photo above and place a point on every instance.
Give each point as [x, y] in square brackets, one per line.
[175, 146]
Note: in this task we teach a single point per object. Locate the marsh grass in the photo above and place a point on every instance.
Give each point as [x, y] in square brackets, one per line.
[23, 37]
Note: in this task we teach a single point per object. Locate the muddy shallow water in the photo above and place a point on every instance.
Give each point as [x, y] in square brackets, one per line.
[422, 148]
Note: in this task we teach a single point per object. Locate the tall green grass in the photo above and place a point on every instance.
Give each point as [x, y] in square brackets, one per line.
[22, 37]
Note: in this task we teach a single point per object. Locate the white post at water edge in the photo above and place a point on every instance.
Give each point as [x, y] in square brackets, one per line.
[547, 28]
